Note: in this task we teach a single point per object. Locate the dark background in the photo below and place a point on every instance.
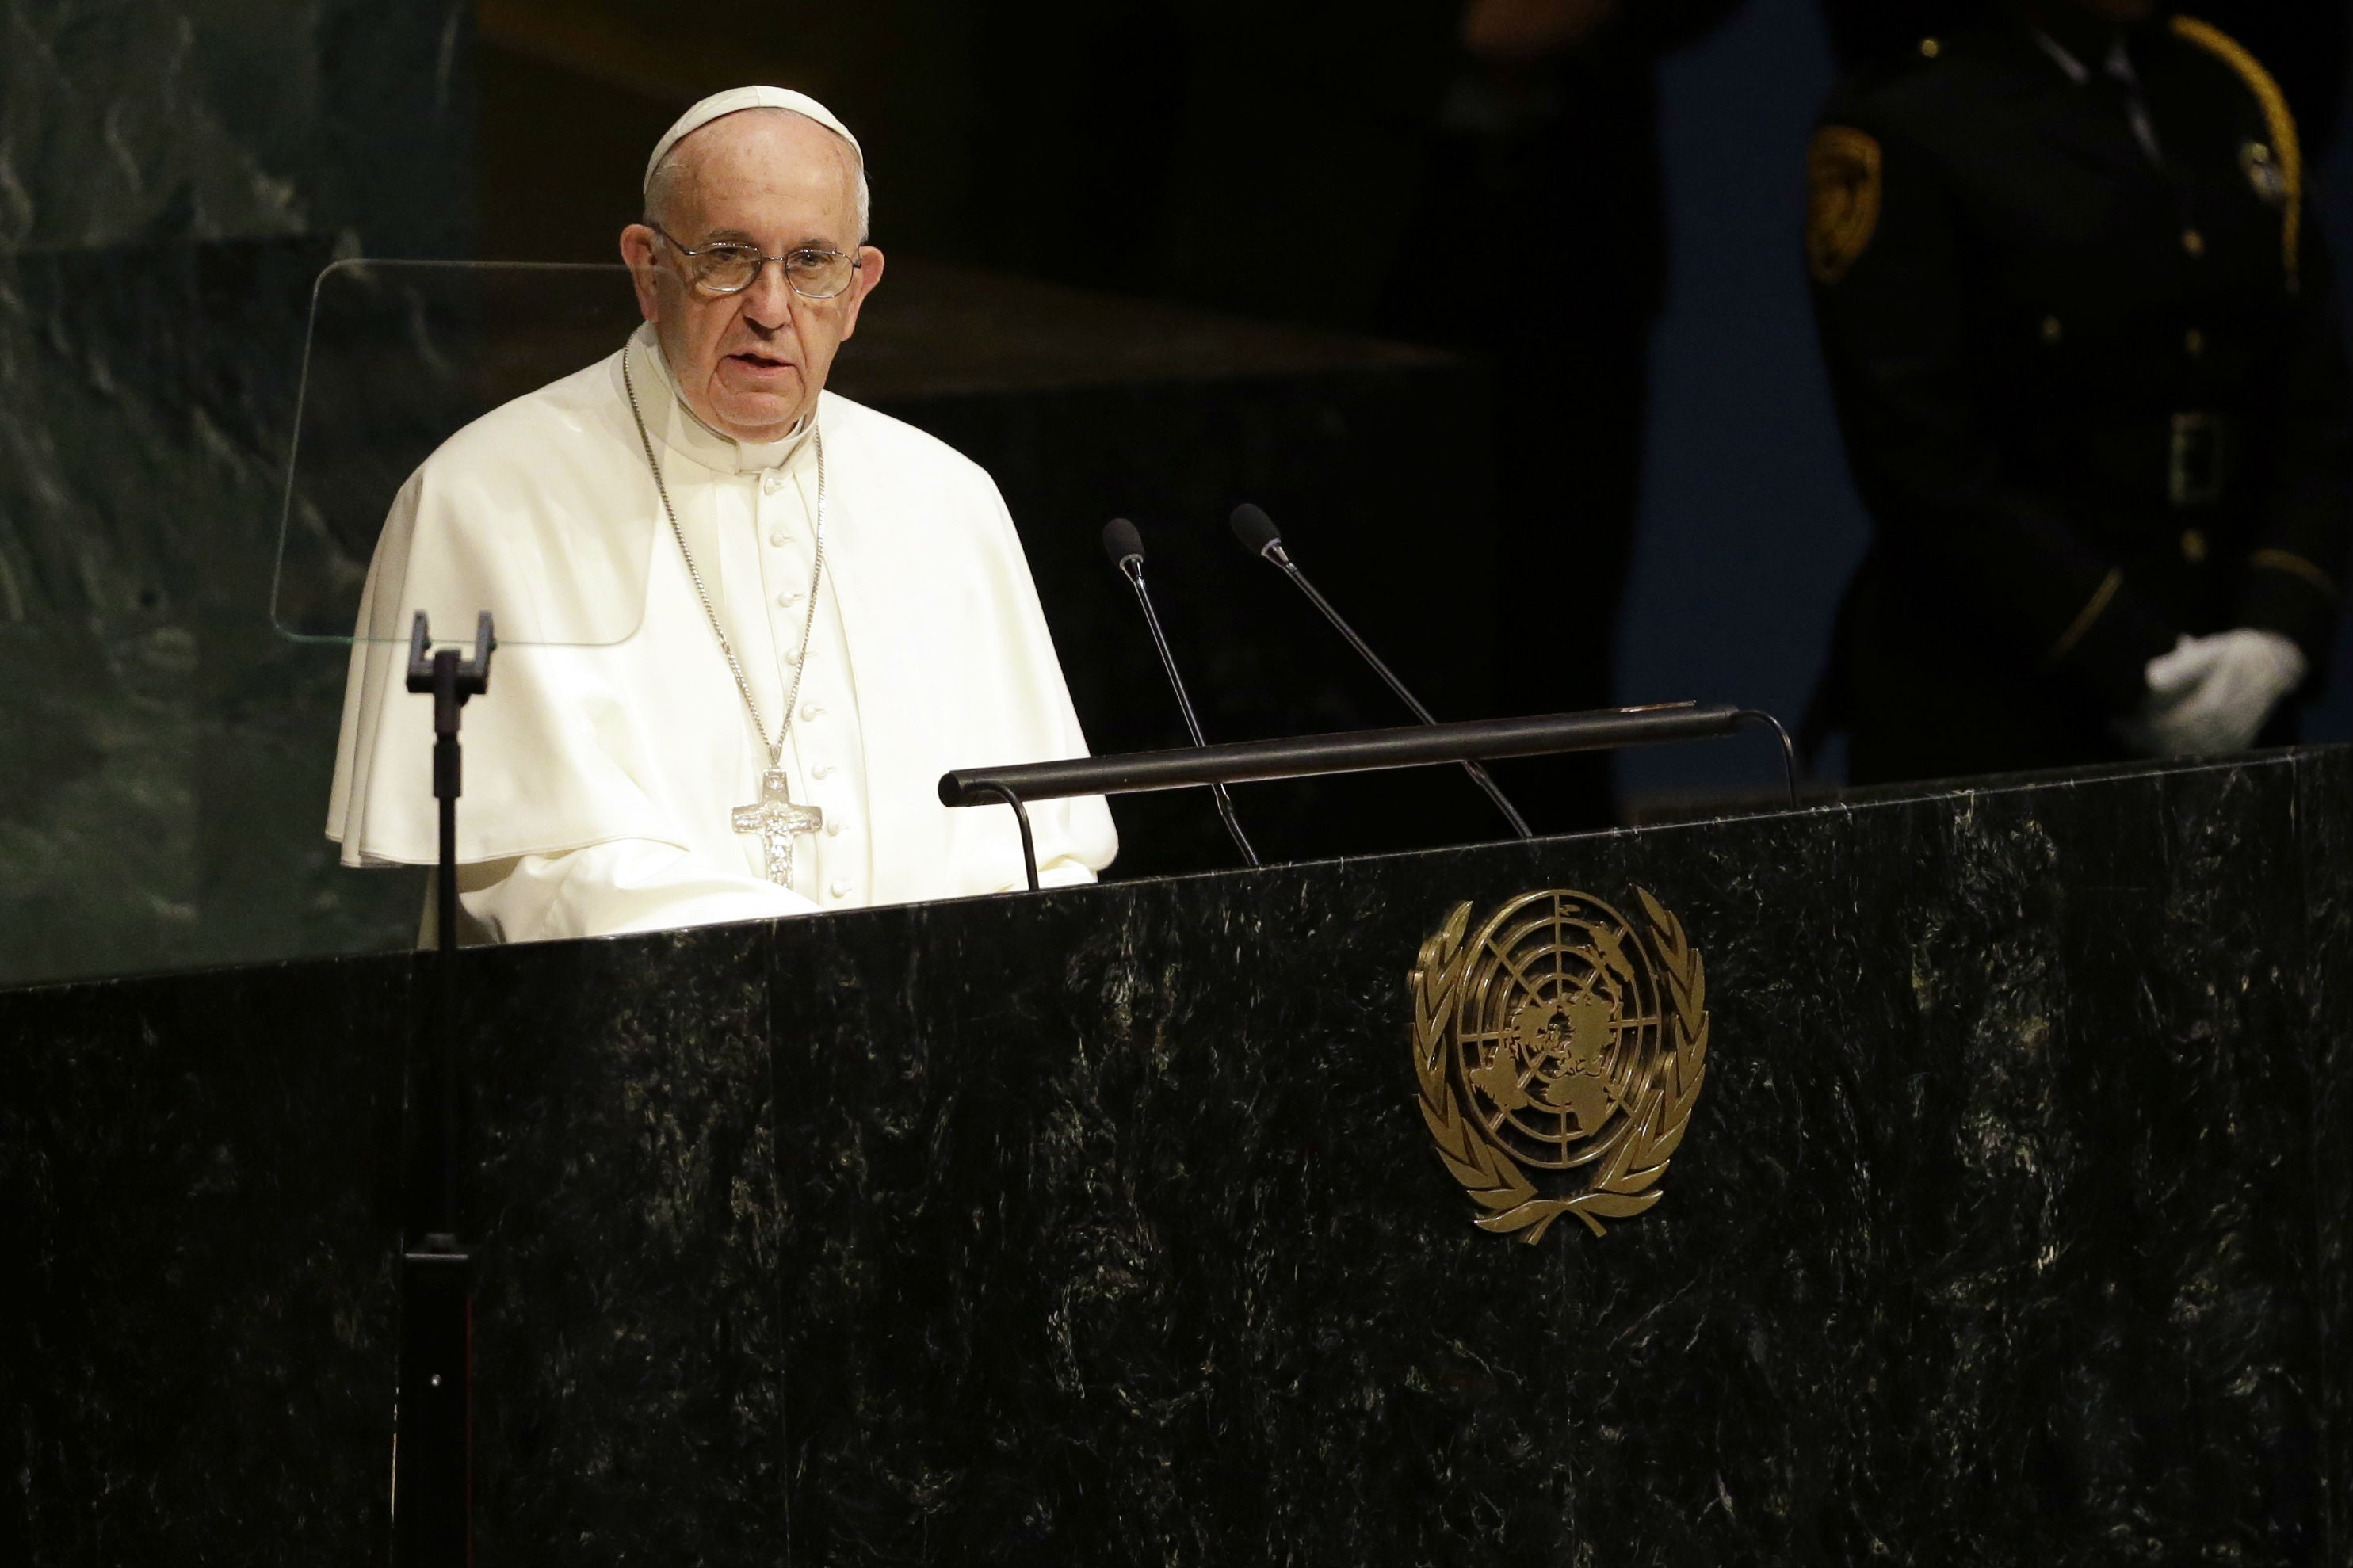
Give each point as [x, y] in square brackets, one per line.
[1749, 525]
[1231, 188]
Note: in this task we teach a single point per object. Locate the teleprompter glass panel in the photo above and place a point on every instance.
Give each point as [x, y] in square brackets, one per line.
[405, 358]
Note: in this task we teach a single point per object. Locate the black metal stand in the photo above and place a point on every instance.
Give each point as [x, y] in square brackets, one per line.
[1364, 751]
[1364, 650]
[1132, 570]
[1021, 815]
[432, 1477]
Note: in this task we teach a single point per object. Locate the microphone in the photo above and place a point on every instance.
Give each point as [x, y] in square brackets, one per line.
[1124, 545]
[1262, 538]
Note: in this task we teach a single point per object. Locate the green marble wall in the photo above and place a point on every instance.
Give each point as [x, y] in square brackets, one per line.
[171, 177]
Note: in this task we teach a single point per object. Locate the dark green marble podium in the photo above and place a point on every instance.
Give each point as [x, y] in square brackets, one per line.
[1100, 1226]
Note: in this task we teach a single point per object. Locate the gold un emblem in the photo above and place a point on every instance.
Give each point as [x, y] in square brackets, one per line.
[1558, 1044]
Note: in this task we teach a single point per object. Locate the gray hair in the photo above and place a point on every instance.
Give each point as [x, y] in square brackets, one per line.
[661, 186]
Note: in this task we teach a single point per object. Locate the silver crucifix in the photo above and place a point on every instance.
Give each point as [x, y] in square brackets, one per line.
[779, 821]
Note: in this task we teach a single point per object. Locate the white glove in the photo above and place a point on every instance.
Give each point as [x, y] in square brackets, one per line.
[2213, 694]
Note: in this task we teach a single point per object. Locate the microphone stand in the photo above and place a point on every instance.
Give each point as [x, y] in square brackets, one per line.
[1364, 751]
[1274, 552]
[1131, 567]
[432, 1485]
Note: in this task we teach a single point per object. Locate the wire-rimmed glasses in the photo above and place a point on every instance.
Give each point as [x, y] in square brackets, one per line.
[727, 267]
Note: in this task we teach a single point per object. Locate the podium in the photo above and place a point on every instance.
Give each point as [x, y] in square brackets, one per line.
[1105, 1225]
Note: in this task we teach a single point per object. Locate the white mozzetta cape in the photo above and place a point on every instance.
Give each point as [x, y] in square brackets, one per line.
[614, 770]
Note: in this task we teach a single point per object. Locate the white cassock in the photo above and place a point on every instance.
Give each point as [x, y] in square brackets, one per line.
[601, 782]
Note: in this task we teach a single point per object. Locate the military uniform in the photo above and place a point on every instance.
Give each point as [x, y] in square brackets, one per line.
[2078, 330]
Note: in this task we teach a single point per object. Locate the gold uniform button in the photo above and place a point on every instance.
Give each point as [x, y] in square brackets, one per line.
[2193, 546]
[2193, 342]
[2193, 242]
[1930, 48]
[2051, 330]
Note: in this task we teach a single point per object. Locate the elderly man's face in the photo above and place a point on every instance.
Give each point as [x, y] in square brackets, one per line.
[751, 365]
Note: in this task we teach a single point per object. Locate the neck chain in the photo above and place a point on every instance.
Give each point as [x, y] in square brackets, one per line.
[817, 576]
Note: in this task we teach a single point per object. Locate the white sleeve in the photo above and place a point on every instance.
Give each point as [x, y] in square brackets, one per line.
[1063, 871]
[622, 885]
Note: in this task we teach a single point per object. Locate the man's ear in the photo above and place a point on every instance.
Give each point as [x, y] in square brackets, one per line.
[869, 275]
[638, 253]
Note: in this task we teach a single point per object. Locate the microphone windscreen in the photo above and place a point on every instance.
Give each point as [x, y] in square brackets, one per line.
[1255, 529]
[1122, 543]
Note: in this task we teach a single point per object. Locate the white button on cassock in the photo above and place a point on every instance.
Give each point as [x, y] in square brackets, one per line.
[834, 827]
[812, 711]
[840, 888]
[777, 538]
[788, 597]
[823, 769]
[772, 481]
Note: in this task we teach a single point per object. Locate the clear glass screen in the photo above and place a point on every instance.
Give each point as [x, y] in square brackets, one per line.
[400, 358]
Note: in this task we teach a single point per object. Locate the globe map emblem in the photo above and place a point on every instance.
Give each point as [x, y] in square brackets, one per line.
[1557, 1056]
[1558, 1029]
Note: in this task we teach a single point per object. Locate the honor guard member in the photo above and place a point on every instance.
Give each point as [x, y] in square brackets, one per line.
[2079, 334]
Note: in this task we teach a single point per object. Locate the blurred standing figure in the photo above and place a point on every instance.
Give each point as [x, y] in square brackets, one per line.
[1547, 156]
[2078, 328]
[2302, 43]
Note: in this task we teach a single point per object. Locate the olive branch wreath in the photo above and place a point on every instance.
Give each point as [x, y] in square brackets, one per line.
[1622, 1188]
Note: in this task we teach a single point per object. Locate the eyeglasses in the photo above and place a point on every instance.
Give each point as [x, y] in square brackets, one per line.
[813, 272]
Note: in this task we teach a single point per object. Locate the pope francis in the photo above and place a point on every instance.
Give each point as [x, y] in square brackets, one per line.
[836, 606]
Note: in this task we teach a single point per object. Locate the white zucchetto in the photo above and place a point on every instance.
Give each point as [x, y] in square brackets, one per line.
[738, 99]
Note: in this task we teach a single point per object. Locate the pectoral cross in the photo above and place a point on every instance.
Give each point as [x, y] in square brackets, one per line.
[779, 821]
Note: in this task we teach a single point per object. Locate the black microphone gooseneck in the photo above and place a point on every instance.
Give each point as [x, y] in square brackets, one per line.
[1261, 537]
[1124, 545]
